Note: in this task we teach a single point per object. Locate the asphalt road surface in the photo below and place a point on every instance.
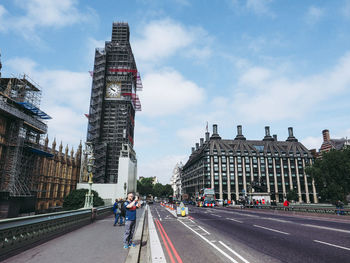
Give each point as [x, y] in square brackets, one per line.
[231, 235]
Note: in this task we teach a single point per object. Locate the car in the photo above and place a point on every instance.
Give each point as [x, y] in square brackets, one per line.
[219, 202]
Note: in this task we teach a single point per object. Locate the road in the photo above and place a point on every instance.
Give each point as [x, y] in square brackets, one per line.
[231, 235]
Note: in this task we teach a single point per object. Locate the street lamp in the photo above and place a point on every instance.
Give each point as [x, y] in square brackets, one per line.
[89, 197]
[124, 189]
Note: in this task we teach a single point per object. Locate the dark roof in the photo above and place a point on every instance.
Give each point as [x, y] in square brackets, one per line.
[250, 148]
[338, 144]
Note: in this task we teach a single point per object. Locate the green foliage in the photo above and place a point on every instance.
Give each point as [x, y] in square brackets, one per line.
[168, 190]
[158, 190]
[292, 195]
[332, 175]
[76, 199]
[145, 187]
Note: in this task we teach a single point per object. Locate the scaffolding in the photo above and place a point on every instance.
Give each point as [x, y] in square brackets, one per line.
[23, 125]
[111, 120]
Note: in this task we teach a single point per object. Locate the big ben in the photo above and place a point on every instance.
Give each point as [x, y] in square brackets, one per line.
[113, 104]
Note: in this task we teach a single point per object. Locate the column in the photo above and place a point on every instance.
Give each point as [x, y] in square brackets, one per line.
[212, 172]
[283, 182]
[259, 168]
[228, 178]
[275, 178]
[267, 175]
[236, 179]
[290, 175]
[306, 185]
[220, 179]
[251, 169]
[314, 187]
[244, 176]
[298, 180]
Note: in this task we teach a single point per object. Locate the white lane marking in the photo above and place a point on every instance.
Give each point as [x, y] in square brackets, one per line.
[204, 230]
[234, 252]
[158, 214]
[327, 228]
[192, 221]
[274, 230]
[329, 244]
[247, 215]
[216, 215]
[232, 219]
[157, 253]
[210, 243]
[278, 220]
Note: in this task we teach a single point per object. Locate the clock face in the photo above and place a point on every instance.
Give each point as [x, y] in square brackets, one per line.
[113, 90]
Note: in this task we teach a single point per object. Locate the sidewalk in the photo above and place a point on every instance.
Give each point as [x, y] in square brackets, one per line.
[97, 242]
[333, 217]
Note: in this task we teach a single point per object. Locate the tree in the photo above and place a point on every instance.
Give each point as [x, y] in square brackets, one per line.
[332, 175]
[168, 190]
[158, 190]
[76, 199]
[145, 186]
[292, 195]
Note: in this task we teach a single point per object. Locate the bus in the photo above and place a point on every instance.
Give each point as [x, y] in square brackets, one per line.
[206, 198]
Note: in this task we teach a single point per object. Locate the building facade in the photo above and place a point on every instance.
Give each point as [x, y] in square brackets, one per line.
[33, 176]
[113, 103]
[58, 176]
[175, 180]
[241, 168]
[332, 144]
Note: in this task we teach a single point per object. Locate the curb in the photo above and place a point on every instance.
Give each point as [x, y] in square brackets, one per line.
[134, 253]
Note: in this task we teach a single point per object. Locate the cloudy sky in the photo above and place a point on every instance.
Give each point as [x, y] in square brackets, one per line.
[251, 62]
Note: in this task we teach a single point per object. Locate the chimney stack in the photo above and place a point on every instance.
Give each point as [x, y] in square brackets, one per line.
[197, 146]
[207, 136]
[291, 137]
[275, 137]
[215, 129]
[215, 134]
[267, 134]
[201, 142]
[192, 149]
[239, 133]
[326, 137]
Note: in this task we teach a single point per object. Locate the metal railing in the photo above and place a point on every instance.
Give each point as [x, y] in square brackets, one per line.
[307, 209]
[17, 234]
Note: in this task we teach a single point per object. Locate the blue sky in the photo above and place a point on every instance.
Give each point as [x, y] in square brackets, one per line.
[229, 62]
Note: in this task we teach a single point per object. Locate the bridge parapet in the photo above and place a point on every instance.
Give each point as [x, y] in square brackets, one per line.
[18, 234]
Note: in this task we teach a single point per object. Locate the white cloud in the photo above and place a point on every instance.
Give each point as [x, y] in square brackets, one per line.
[66, 97]
[191, 135]
[160, 167]
[267, 94]
[144, 135]
[163, 38]
[43, 14]
[312, 142]
[259, 7]
[167, 92]
[314, 14]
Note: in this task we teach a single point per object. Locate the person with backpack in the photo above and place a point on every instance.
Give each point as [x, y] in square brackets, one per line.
[130, 205]
[117, 213]
[122, 211]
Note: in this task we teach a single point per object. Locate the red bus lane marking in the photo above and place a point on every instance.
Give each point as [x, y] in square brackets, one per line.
[165, 243]
[171, 244]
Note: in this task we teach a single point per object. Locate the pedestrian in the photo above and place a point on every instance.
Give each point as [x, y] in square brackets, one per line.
[116, 212]
[130, 219]
[121, 211]
[286, 205]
